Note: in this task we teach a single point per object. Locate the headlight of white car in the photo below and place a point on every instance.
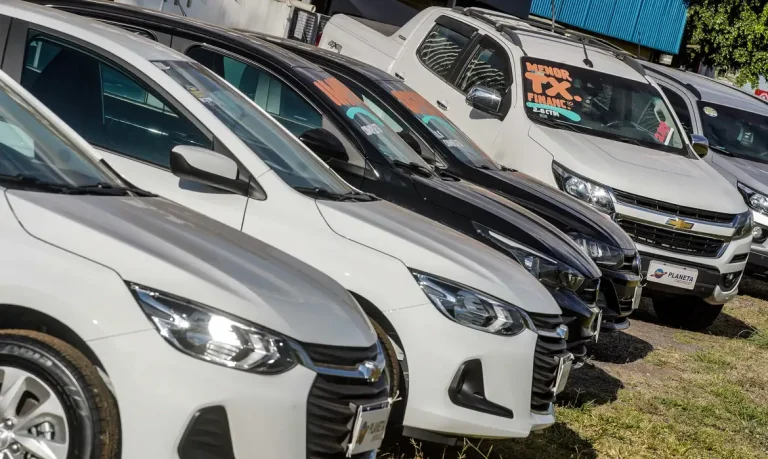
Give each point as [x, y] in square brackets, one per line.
[473, 309]
[754, 200]
[603, 254]
[214, 336]
[596, 195]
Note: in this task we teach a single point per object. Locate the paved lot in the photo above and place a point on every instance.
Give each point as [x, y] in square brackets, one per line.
[656, 392]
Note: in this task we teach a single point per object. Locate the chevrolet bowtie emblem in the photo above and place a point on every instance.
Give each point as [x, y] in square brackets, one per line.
[679, 223]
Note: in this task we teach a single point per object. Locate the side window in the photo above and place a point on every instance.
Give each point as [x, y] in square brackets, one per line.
[489, 67]
[441, 49]
[271, 94]
[680, 107]
[107, 107]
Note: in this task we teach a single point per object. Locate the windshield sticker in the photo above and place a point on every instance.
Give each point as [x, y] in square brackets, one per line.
[338, 93]
[415, 103]
[551, 95]
[199, 95]
[710, 112]
[663, 132]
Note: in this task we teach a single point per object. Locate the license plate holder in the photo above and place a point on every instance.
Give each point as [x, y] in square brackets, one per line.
[672, 275]
[599, 325]
[369, 428]
[636, 299]
[563, 372]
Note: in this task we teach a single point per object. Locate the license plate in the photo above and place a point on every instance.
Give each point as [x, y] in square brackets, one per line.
[676, 276]
[563, 372]
[370, 426]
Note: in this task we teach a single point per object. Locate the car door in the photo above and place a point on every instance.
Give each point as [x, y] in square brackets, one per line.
[452, 59]
[129, 120]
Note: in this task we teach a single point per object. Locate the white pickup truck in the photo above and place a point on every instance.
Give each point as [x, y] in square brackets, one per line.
[580, 115]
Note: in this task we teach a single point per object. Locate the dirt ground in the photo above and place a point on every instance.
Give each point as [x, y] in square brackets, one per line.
[654, 392]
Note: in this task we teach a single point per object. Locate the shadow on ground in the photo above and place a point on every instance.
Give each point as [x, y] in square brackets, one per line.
[556, 442]
[590, 384]
[754, 287]
[620, 348]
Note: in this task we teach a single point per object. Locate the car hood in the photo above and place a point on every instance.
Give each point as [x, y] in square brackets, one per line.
[430, 247]
[643, 171]
[554, 205]
[751, 173]
[519, 224]
[160, 244]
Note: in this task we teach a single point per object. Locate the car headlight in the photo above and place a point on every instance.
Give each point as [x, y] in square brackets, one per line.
[754, 200]
[597, 196]
[213, 336]
[744, 226]
[473, 309]
[603, 254]
[549, 272]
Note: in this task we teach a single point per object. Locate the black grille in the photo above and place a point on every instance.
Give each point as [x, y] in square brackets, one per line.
[673, 241]
[739, 258]
[331, 409]
[340, 356]
[549, 351]
[588, 292]
[673, 209]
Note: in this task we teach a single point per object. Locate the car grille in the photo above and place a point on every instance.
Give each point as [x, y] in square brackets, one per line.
[549, 351]
[673, 241]
[331, 410]
[340, 356]
[673, 209]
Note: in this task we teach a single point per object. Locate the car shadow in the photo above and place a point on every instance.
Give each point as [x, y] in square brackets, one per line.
[556, 442]
[754, 287]
[725, 326]
[620, 348]
[590, 385]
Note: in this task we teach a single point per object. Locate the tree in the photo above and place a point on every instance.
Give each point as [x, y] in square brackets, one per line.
[731, 34]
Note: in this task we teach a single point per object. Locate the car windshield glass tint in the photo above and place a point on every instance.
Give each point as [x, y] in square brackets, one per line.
[33, 148]
[600, 104]
[737, 132]
[444, 132]
[359, 116]
[283, 152]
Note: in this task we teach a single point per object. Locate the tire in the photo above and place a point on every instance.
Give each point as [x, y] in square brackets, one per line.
[396, 382]
[81, 417]
[686, 312]
[390, 356]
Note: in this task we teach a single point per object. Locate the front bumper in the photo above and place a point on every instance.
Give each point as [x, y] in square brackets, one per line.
[437, 348]
[620, 293]
[582, 319]
[758, 257]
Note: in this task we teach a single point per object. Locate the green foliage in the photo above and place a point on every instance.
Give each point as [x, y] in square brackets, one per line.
[731, 34]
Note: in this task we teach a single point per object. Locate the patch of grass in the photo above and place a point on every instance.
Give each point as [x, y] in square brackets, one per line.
[705, 399]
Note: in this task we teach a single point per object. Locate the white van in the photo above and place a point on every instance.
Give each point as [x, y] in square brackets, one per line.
[582, 116]
[457, 312]
[128, 319]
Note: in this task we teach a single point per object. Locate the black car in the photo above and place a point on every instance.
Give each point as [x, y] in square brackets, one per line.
[335, 123]
[444, 145]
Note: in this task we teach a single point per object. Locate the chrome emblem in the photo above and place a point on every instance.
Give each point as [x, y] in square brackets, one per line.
[371, 370]
[562, 331]
[679, 223]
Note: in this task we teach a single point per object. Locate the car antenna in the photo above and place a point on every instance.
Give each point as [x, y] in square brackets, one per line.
[587, 62]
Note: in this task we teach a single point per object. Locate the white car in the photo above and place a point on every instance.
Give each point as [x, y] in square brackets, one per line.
[457, 312]
[580, 115]
[129, 319]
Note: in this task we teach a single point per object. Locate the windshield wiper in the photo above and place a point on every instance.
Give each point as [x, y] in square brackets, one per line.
[327, 194]
[722, 150]
[103, 189]
[557, 124]
[110, 190]
[414, 167]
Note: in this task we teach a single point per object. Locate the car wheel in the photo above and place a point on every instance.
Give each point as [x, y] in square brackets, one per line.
[690, 313]
[53, 402]
[396, 383]
[392, 371]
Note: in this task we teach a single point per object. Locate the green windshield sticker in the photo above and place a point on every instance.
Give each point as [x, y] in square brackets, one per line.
[548, 109]
[710, 112]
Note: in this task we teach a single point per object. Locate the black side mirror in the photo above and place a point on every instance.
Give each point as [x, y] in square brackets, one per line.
[410, 140]
[324, 144]
[484, 99]
[700, 145]
[205, 166]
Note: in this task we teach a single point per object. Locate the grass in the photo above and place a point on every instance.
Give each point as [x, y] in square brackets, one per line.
[655, 392]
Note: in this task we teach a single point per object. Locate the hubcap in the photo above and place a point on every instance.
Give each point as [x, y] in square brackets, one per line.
[33, 424]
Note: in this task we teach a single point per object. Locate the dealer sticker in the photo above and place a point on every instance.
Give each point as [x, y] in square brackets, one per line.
[710, 112]
[675, 276]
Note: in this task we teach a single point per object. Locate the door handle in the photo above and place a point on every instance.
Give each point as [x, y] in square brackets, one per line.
[400, 75]
[442, 105]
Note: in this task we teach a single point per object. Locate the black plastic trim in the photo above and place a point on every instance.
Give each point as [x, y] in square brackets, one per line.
[207, 436]
[467, 390]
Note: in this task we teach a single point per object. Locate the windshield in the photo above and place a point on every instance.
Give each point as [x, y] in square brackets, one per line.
[600, 104]
[445, 132]
[282, 152]
[33, 148]
[736, 132]
[361, 118]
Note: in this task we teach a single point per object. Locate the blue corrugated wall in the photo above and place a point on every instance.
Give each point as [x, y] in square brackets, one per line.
[656, 24]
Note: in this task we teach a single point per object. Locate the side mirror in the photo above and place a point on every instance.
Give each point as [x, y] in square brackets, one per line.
[324, 144]
[410, 140]
[700, 145]
[484, 99]
[205, 166]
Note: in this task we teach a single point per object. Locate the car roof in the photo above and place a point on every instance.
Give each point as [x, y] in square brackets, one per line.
[130, 14]
[111, 38]
[709, 90]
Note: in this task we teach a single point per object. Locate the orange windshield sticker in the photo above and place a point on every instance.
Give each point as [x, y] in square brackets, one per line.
[338, 93]
[415, 103]
[663, 132]
[550, 91]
